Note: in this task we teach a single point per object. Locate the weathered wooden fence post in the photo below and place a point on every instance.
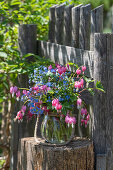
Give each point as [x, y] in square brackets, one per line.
[67, 25]
[112, 19]
[75, 26]
[103, 102]
[52, 22]
[59, 20]
[85, 25]
[96, 23]
[27, 44]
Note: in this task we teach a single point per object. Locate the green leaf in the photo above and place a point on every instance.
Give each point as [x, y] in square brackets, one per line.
[3, 54]
[50, 91]
[6, 85]
[91, 91]
[88, 80]
[27, 55]
[99, 86]
[15, 2]
[1, 99]
[71, 64]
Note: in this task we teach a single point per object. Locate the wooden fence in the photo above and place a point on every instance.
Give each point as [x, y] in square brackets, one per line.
[76, 35]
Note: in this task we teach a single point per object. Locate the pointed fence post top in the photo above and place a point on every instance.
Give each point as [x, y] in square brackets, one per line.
[27, 36]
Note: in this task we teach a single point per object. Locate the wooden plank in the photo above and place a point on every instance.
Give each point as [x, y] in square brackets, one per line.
[112, 19]
[101, 162]
[67, 25]
[51, 35]
[75, 26]
[64, 54]
[103, 102]
[109, 159]
[85, 27]
[59, 18]
[96, 23]
[109, 91]
[100, 67]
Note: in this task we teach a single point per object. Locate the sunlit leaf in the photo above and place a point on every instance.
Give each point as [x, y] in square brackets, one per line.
[3, 54]
[99, 86]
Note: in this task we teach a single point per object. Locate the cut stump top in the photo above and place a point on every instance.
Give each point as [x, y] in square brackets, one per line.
[77, 155]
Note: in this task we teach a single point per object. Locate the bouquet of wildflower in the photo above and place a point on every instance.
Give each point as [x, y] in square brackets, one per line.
[56, 90]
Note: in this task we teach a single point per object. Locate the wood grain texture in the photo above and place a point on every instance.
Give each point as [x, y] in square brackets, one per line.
[27, 44]
[52, 22]
[27, 38]
[77, 155]
[112, 19]
[85, 27]
[59, 21]
[62, 54]
[103, 102]
[75, 26]
[96, 23]
[67, 25]
[101, 162]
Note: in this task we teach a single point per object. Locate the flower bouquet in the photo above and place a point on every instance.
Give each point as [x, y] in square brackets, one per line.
[55, 92]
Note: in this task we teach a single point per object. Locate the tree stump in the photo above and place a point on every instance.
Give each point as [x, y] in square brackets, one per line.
[77, 155]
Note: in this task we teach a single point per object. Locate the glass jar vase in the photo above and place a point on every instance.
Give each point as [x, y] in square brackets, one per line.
[55, 130]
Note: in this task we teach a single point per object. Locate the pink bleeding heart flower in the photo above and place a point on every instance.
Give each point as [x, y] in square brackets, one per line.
[72, 120]
[79, 102]
[64, 69]
[29, 115]
[23, 109]
[82, 82]
[82, 121]
[43, 88]
[60, 71]
[55, 102]
[85, 122]
[88, 117]
[13, 90]
[77, 84]
[83, 68]
[19, 115]
[58, 66]
[67, 119]
[83, 111]
[68, 66]
[78, 72]
[17, 95]
[58, 106]
[24, 92]
[36, 88]
[50, 67]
